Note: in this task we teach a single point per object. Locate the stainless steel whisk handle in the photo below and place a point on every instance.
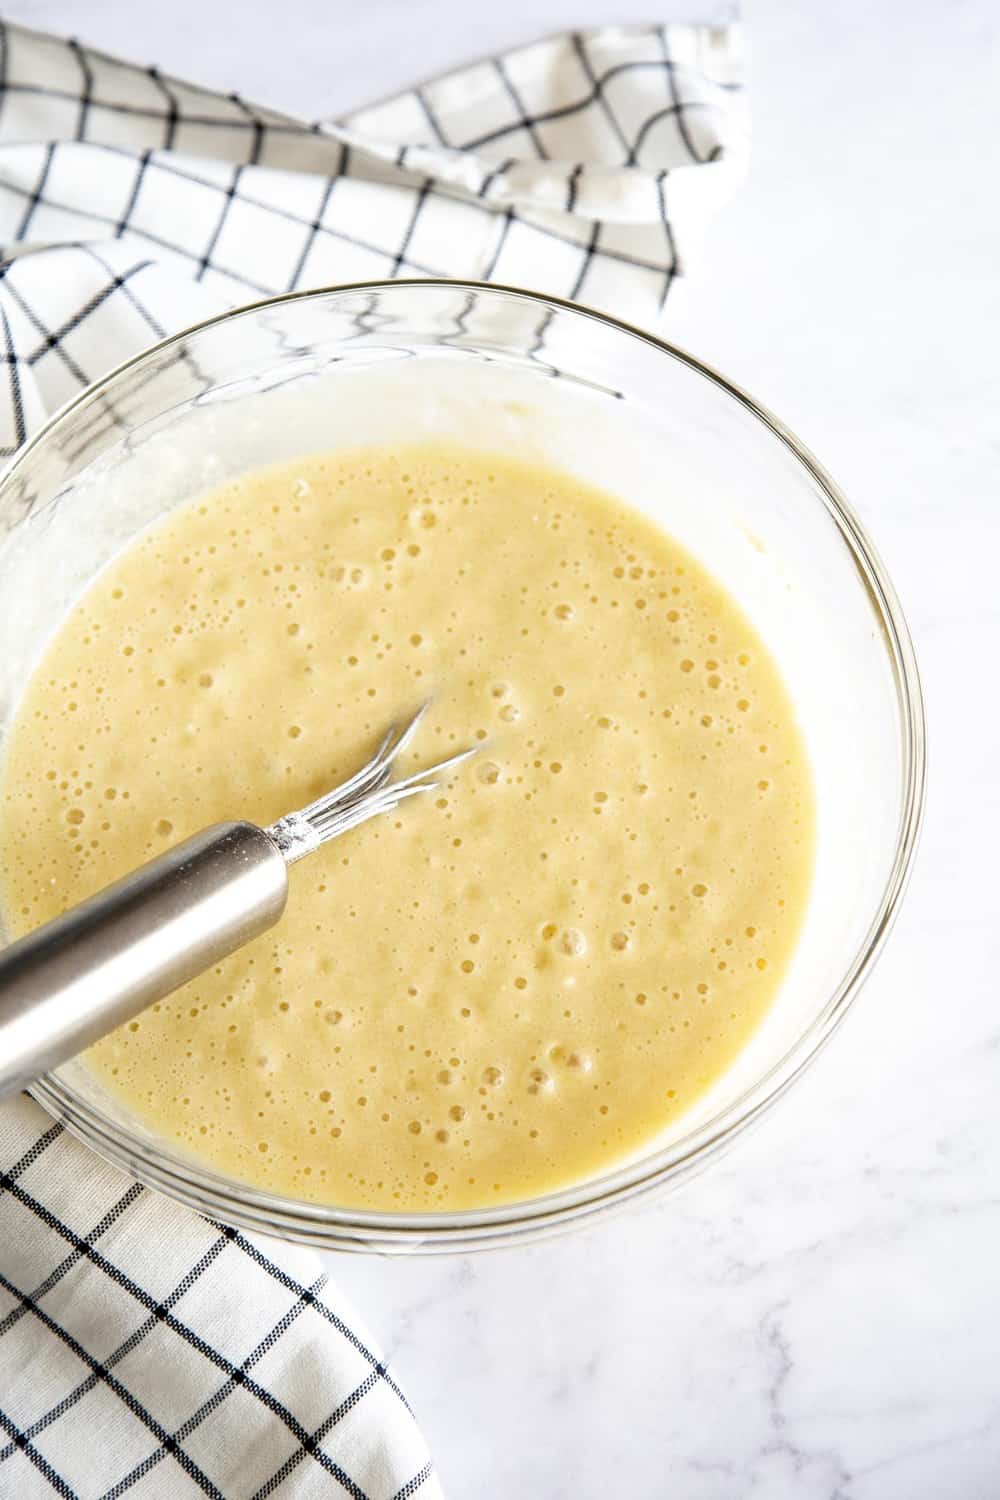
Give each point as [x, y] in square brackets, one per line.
[99, 964]
[94, 968]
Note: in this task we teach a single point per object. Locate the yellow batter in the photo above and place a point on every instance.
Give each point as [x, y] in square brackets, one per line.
[506, 985]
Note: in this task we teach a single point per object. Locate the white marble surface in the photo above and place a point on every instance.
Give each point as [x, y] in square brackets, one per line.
[819, 1317]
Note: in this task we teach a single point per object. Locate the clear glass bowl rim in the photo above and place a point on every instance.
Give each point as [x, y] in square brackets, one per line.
[244, 1207]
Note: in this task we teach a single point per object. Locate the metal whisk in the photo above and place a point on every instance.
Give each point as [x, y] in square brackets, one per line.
[369, 792]
[99, 964]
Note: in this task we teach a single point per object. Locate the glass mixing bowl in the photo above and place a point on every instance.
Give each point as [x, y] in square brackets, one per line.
[504, 369]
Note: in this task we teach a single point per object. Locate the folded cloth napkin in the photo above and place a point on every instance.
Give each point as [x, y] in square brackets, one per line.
[586, 166]
[144, 1350]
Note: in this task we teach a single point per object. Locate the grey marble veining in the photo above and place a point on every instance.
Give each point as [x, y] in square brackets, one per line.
[818, 1318]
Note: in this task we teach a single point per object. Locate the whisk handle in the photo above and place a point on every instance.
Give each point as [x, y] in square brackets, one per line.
[102, 962]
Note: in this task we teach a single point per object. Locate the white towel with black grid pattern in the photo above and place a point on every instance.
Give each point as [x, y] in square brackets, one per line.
[587, 166]
[143, 1350]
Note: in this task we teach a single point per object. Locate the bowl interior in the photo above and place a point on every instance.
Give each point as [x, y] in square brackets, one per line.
[501, 370]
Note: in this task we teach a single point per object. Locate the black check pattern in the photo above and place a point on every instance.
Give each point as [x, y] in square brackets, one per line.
[143, 1351]
[556, 166]
[208, 1365]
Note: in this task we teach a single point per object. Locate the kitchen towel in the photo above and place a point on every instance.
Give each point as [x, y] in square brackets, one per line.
[145, 1351]
[132, 205]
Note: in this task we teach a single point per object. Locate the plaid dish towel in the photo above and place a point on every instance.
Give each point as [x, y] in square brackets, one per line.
[143, 1350]
[586, 166]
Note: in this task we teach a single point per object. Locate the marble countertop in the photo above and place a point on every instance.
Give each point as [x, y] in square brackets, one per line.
[819, 1316]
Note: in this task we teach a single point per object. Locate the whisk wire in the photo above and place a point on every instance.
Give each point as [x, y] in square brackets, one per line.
[366, 794]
